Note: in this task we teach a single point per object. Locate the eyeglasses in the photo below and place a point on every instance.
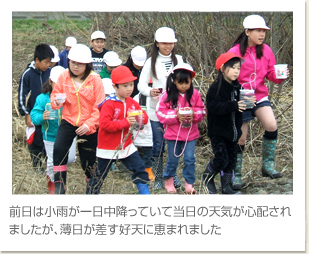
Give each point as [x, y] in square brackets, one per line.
[77, 64]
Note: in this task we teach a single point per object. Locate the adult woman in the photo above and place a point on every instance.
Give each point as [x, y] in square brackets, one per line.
[259, 64]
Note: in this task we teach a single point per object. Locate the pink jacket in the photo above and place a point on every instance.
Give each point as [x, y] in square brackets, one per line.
[168, 117]
[264, 69]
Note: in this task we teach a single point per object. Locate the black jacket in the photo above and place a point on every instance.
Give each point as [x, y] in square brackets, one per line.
[223, 118]
[31, 80]
[136, 73]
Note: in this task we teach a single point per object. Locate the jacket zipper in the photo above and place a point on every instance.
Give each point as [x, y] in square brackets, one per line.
[233, 119]
[124, 116]
[78, 101]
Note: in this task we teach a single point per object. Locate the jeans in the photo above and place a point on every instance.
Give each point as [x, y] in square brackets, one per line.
[188, 159]
[249, 114]
[132, 162]
[157, 138]
[146, 155]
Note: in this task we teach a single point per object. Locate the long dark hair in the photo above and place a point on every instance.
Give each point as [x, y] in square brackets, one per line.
[86, 73]
[229, 64]
[242, 39]
[154, 55]
[181, 76]
[46, 87]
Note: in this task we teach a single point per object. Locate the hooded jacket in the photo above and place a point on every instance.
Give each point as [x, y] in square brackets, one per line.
[223, 118]
[49, 127]
[81, 105]
[113, 127]
[31, 81]
[168, 117]
[264, 69]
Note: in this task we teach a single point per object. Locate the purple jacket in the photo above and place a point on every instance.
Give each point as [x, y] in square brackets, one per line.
[168, 117]
[264, 69]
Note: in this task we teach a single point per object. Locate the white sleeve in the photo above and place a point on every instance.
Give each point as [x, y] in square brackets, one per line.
[144, 79]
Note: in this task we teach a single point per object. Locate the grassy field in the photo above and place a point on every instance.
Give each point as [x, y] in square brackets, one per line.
[26, 34]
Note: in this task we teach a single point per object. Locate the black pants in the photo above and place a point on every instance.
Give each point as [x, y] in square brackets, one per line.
[225, 155]
[86, 147]
[37, 149]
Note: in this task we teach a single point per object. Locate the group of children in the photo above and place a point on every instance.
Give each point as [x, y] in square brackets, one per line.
[108, 123]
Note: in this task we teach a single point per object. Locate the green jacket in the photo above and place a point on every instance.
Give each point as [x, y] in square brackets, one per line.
[104, 73]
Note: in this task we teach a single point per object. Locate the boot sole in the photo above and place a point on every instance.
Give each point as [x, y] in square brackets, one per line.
[274, 176]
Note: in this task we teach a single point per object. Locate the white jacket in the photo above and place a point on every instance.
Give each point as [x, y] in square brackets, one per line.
[160, 82]
[144, 137]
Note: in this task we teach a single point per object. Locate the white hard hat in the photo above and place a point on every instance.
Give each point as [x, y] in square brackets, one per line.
[255, 21]
[111, 58]
[139, 55]
[108, 86]
[55, 73]
[184, 66]
[70, 41]
[80, 53]
[98, 35]
[165, 34]
[56, 58]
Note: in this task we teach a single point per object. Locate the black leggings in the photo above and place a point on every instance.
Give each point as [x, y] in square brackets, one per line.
[86, 147]
[225, 155]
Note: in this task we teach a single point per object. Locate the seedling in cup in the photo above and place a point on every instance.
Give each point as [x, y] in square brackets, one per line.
[185, 111]
[281, 71]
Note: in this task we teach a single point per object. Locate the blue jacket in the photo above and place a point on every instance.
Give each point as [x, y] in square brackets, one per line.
[63, 58]
[31, 81]
[49, 127]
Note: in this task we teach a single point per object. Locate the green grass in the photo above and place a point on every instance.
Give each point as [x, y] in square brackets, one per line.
[56, 25]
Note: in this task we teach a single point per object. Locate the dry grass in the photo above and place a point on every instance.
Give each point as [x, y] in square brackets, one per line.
[26, 181]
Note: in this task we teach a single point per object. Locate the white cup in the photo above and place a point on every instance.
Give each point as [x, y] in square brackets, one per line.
[280, 70]
[60, 97]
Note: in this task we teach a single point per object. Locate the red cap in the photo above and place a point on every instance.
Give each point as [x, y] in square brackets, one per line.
[225, 57]
[122, 75]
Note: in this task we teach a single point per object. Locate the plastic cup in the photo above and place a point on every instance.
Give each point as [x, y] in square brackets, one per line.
[185, 111]
[246, 95]
[53, 113]
[280, 70]
[138, 117]
[60, 97]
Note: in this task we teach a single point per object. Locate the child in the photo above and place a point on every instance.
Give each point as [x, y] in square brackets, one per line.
[49, 119]
[135, 63]
[114, 138]
[69, 43]
[30, 85]
[180, 138]
[157, 68]
[111, 60]
[97, 50]
[143, 138]
[224, 122]
[80, 116]
[259, 66]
